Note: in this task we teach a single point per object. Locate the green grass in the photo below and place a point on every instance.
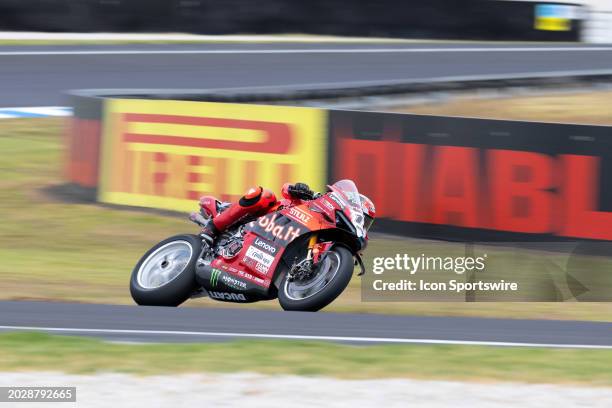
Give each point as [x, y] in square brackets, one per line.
[56, 250]
[42, 352]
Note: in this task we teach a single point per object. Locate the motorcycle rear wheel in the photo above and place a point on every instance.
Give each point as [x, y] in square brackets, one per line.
[323, 288]
[165, 275]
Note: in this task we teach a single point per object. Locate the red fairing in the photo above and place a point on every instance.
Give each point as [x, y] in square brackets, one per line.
[209, 205]
[256, 261]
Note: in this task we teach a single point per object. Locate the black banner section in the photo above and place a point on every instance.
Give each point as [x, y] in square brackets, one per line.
[476, 179]
[447, 19]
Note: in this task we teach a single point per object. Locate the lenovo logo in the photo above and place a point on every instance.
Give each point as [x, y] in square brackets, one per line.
[262, 244]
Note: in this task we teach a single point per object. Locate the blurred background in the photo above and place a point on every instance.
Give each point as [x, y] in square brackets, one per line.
[584, 20]
[357, 82]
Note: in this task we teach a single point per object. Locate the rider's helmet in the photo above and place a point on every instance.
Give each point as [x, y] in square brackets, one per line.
[369, 211]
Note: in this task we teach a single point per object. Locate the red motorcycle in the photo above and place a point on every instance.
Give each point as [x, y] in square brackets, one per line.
[304, 255]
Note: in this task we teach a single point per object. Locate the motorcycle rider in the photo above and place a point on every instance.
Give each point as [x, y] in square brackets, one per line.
[256, 201]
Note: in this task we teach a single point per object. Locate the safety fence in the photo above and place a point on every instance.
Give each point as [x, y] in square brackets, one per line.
[429, 176]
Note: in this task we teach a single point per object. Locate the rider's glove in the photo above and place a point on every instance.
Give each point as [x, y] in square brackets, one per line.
[301, 191]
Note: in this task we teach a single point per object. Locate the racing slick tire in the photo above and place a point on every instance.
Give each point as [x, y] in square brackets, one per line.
[165, 275]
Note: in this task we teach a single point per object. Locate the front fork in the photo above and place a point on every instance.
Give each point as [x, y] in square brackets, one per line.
[315, 250]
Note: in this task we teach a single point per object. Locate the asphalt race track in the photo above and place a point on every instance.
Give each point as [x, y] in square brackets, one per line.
[38, 75]
[185, 324]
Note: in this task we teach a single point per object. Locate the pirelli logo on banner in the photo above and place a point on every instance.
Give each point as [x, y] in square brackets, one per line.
[165, 154]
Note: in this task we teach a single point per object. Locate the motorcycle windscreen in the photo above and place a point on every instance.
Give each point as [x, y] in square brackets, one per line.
[353, 209]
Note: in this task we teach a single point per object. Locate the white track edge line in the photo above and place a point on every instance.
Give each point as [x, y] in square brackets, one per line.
[30, 107]
[308, 337]
[307, 51]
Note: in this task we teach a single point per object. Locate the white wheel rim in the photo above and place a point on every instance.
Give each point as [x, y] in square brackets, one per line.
[164, 265]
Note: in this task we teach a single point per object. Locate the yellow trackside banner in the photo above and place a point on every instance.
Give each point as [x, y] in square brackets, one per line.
[166, 154]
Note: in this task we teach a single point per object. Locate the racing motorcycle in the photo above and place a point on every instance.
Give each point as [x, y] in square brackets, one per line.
[302, 254]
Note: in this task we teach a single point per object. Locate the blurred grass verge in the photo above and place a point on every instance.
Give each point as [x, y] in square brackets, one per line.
[58, 250]
[592, 108]
[43, 352]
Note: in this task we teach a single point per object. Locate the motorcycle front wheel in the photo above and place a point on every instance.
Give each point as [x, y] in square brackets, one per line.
[165, 275]
[333, 274]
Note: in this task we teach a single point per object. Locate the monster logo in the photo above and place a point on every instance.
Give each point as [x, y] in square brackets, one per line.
[214, 277]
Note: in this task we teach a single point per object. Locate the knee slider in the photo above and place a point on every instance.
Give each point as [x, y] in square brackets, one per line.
[251, 197]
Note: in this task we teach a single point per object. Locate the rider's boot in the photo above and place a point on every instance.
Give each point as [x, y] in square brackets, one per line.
[209, 232]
